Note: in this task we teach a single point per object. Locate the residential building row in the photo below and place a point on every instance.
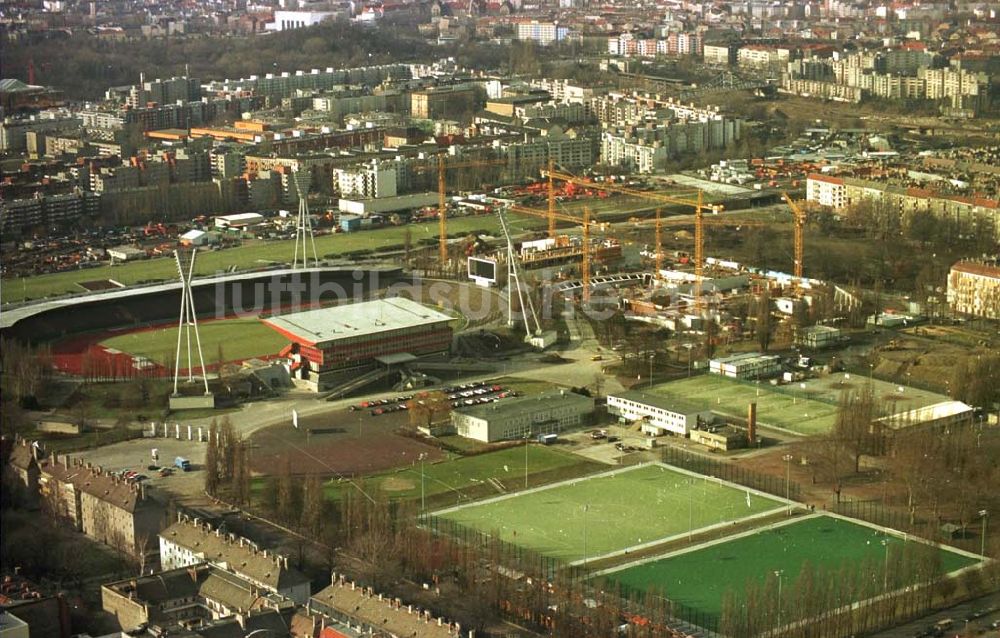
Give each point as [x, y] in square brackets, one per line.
[857, 76]
[978, 214]
[675, 43]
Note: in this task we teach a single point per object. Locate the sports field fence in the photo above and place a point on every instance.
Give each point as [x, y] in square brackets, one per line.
[731, 472]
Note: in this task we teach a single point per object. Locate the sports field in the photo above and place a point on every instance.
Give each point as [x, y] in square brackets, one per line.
[731, 397]
[698, 578]
[608, 513]
[505, 466]
[238, 338]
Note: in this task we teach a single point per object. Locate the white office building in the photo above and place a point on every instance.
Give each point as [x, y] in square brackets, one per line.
[748, 366]
[547, 413]
[658, 415]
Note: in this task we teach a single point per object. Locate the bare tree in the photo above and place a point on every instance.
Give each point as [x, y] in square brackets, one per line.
[312, 505]
[829, 460]
[854, 428]
[212, 460]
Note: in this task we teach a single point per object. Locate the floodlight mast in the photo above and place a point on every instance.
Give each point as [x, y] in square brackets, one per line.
[514, 278]
[188, 321]
[303, 228]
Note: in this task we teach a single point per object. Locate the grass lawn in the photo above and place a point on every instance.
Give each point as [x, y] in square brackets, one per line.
[797, 414]
[462, 473]
[526, 386]
[239, 339]
[700, 577]
[253, 253]
[613, 512]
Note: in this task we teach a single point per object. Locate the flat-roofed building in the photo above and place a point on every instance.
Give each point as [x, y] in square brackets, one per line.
[723, 438]
[658, 415]
[938, 416]
[330, 342]
[546, 413]
[747, 366]
[239, 220]
[817, 337]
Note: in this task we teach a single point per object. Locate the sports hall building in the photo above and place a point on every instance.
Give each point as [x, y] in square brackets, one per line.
[330, 345]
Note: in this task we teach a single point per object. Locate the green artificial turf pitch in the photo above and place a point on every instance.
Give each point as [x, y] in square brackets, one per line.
[780, 409]
[603, 514]
[699, 578]
[239, 339]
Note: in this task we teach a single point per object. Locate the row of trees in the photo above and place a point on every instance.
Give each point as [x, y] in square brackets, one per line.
[938, 475]
[227, 463]
[818, 601]
[26, 368]
[87, 66]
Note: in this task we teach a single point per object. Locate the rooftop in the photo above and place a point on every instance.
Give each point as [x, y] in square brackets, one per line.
[933, 412]
[387, 614]
[193, 582]
[661, 402]
[238, 555]
[746, 357]
[525, 405]
[356, 319]
[92, 480]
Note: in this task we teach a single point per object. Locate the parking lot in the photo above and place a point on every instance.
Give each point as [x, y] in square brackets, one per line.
[136, 455]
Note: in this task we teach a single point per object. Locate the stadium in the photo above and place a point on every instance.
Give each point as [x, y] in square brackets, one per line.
[127, 332]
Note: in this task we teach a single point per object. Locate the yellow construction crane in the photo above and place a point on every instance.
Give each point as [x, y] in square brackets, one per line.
[800, 224]
[699, 215]
[442, 168]
[586, 223]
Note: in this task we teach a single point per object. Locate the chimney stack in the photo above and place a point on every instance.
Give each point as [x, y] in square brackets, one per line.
[752, 423]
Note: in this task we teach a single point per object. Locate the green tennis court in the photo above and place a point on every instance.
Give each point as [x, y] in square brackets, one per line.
[608, 513]
[778, 408]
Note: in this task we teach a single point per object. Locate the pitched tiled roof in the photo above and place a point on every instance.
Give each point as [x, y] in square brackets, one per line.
[245, 560]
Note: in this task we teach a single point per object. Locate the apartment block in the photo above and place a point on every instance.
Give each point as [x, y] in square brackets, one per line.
[974, 289]
[444, 101]
[541, 32]
[19, 215]
[190, 542]
[13, 131]
[368, 181]
[979, 214]
[103, 506]
[719, 54]
[170, 91]
[528, 156]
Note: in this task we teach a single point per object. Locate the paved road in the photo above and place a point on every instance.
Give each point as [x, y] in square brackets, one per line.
[977, 627]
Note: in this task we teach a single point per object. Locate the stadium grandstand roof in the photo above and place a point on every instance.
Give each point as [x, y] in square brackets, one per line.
[13, 313]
